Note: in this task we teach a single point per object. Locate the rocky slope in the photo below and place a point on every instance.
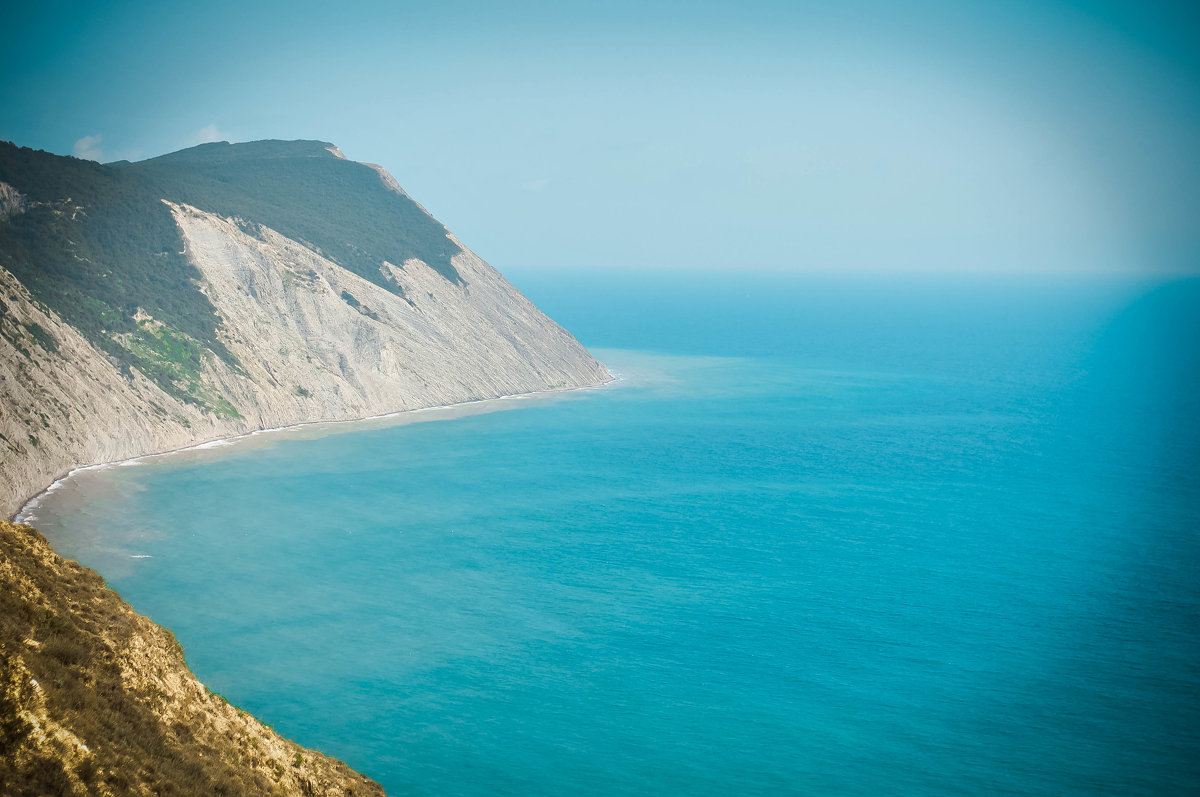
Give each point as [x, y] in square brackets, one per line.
[97, 700]
[208, 293]
[298, 337]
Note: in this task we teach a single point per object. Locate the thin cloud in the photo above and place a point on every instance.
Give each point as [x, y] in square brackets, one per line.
[540, 184]
[206, 135]
[88, 148]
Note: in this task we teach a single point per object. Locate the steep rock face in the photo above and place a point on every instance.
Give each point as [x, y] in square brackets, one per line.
[11, 201]
[312, 342]
[318, 341]
[64, 404]
[96, 699]
[231, 287]
[255, 329]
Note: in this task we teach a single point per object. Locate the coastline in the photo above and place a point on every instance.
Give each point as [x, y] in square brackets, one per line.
[24, 514]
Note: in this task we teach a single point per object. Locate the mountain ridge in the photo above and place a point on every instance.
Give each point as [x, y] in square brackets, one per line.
[152, 306]
[381, 336]
[214, 151]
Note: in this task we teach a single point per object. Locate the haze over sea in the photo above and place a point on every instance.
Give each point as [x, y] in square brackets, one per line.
[868, 536]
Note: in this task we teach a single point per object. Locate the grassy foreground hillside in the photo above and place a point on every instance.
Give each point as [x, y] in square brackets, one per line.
[96, 699]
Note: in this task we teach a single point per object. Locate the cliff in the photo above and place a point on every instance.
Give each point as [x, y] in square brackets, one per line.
[208, 293]
[97, 700]
[121, 337]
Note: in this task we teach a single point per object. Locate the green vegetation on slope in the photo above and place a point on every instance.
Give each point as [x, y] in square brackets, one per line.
[302, 190]
[95, 242]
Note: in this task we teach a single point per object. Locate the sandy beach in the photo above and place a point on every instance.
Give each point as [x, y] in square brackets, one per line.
[441, 412]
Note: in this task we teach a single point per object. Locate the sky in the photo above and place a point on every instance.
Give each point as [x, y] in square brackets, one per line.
[771, 136]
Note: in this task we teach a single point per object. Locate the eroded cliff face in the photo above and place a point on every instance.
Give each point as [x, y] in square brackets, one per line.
[318, 341]
[11, 201]
[64, 404]
[97, 700]
[311, 341]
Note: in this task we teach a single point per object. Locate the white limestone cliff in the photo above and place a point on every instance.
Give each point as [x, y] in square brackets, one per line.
[313, 341]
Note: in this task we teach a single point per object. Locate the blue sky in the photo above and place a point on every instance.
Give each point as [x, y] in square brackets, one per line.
[860, 136]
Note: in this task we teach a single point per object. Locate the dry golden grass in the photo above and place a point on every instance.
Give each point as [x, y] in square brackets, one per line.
[97, 700]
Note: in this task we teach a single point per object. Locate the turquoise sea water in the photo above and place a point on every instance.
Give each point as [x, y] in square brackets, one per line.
[823, 537]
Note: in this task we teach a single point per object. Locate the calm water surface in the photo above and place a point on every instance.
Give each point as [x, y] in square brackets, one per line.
[823, 538]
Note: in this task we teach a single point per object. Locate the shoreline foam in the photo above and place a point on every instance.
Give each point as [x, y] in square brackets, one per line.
[25, 513]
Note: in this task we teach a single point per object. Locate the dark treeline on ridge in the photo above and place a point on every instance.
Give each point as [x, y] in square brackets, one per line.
[94, 242]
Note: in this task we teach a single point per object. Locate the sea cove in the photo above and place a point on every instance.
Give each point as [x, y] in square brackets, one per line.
[823, 536]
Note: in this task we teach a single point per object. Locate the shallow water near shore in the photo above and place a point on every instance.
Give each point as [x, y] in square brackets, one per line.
[822, 537]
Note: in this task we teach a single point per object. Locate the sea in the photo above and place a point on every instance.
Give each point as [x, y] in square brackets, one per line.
[824, 535]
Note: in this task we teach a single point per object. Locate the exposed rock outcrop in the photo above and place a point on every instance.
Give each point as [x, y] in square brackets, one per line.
[64, 404]
[312, 342]
[12, 201]
[317, 341]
